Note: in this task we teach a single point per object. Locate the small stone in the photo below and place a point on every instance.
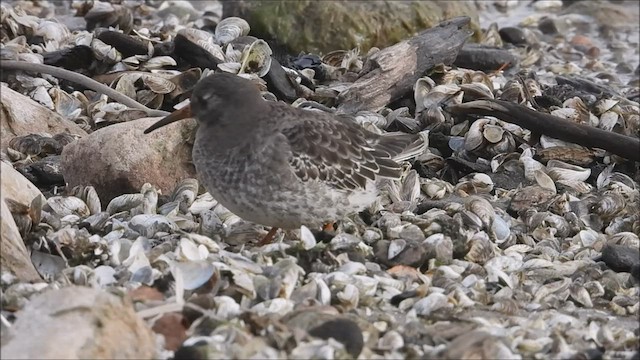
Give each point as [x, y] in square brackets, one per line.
[171, 326]
[343, 330]
[547, 26]
[145, 293]
[513, 35]
[412, 232]
[635, 273]
[414, 254]
[581, 42]
[620, 258]
[485, 58]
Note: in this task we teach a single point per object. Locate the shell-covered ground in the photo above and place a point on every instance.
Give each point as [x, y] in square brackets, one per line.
[497, 243]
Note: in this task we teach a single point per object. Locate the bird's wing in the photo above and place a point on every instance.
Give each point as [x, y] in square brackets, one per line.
[340, 152]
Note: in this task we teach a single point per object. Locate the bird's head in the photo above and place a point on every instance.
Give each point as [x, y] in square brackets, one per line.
[211, 98]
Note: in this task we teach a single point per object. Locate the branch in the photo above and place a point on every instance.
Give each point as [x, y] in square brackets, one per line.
[79, 79]
[625, 146]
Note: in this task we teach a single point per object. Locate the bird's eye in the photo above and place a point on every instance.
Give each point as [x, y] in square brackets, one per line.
[205, 96]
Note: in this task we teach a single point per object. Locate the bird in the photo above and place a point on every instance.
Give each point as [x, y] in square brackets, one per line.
[280, 166]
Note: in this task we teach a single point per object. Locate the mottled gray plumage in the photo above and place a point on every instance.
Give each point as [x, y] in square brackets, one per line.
[281, 166]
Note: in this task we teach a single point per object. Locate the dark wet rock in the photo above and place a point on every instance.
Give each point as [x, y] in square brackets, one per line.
[279, 83]
[635, 273]
[44, 172]
[585, 85]
[74, 58]
[113, 15]
[78, 323]
[547, 26]
[513, 35]
[197, 351]
[413, 254]
[194, 54]
[304, 25]
[485, 58]
[127, 45]
[620, 258]
[118, 159]
[344, 331]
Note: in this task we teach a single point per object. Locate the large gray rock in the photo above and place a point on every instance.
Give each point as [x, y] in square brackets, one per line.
[78, 323]
[119, 158]
[14, 256]
[19, 115]
[324, 26]
[16, 187]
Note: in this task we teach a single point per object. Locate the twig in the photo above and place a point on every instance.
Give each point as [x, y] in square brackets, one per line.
[625, 146]
[79, 79]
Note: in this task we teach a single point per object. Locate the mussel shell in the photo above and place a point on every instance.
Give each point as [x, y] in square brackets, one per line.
[231, 28]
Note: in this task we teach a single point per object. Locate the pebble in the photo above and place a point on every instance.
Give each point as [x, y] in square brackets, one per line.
[620, 258]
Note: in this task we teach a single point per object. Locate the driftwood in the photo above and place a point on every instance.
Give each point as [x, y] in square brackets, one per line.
[79, 79]
[553, 126]
[390, 73]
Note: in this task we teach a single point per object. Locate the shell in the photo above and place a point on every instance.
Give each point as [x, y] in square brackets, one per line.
[482, 208]
[256, 58]
[231, 28]
[474, 138]
[124, 202]
[559, 170]
[68, 205]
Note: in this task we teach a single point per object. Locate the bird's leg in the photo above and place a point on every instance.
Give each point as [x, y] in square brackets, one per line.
[267, 238]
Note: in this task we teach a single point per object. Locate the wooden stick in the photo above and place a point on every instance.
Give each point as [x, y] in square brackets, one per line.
[391, 73]
[625, 146]
[79, 79]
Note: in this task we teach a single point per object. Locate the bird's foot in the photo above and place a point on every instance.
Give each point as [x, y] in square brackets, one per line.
[269, 237]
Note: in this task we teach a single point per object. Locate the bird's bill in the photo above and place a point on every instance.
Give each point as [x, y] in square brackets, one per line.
[183, 113]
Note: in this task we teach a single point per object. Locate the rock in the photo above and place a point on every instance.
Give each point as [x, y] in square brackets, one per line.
[78, 323]
[635, 273]
[19, 115]
[320, 27]
[278, 82]
[343, 330]
[171, 326]
[13, 253]
[413, 254]
[16, 187]
[485, 58]
[120, 158]
[547, 26]
[325, 323]
[44, 172]
[620, 258]
[513, 35]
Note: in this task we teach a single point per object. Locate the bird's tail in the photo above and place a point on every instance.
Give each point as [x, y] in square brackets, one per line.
[402, 146]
